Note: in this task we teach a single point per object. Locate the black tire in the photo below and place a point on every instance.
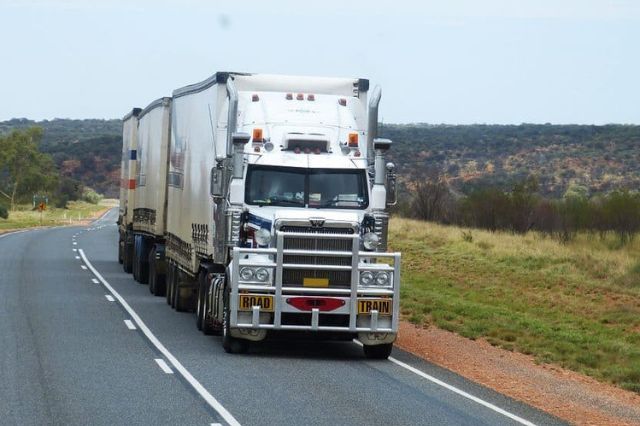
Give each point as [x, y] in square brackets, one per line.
[203, 321]
[157, 282]
[136, 263]
[153, 279]
[168, 293]
[378, 351]
[120, 258]
[230, 344]
[127, 257]
[143, 262]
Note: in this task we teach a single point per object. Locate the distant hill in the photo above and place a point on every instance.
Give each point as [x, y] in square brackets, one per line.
[599, 158]
[86, 150]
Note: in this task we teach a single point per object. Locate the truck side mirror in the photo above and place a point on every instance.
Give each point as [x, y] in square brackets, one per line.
[392, 185]
[216, 180]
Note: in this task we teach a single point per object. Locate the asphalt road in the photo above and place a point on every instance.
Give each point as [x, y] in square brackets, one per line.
[82, 343]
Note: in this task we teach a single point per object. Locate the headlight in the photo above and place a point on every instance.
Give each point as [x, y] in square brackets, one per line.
[262, 275]
[366, 278]
[382, 279]
[370, 240]
[263, 237]
[246, 274]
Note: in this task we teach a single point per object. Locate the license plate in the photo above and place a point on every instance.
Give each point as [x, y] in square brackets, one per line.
[315, 282]
[383, 306]
[248, 301]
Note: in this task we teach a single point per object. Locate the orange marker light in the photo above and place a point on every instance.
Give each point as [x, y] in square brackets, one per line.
[353, 140]
[257, 135]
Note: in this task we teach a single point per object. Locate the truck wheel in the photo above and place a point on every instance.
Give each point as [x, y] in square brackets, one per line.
[127, 257]
[136, 263]
[203, 321]
[378, 351]
[169, 292]
[230, 344]
[157, 282]
[143, 265]
[120, 244]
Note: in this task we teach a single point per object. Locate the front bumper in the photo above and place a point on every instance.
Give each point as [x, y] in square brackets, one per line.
[373, 326]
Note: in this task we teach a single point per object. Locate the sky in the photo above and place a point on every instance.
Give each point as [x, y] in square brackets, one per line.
[453, 62]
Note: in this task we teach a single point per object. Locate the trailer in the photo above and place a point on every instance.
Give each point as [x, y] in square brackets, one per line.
[276, 210]
[127, 188]
[149, 214]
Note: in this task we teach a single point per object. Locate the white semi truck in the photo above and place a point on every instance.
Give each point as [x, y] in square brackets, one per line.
[276, 216]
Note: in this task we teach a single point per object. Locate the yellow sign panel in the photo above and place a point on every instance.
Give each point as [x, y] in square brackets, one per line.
[315, 282]
[248, 301]
[383, 306]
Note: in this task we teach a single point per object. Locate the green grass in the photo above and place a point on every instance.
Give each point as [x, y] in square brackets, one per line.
[25, 217]
[576, 305]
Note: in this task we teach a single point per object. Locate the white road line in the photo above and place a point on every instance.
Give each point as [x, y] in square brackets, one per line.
[75, 244]
[204, 393]
[93, 280]
[6, 234]
[130, 325]
[109, 298]
[83, 267]
[458, 391]
[75, 249]
[216, 424]
[163, 365]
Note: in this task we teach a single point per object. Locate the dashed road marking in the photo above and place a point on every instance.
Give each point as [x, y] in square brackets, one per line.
[163, 365]
[93, 280]
[83, 267]
[77, 257]
[109, 298]
[177, 365]
[130, 325]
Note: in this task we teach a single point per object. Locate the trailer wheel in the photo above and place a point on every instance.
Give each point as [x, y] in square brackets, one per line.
[157, 282]
[378, 351]
[180, 303]
[127, 256]
[230, 344]
[143, 265]
[135, 263]
[120, 258]
[169, 292]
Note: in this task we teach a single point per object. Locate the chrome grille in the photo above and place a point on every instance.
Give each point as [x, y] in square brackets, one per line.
[295, 277]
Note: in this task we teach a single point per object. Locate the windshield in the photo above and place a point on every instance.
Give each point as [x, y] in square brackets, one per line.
[314, 188]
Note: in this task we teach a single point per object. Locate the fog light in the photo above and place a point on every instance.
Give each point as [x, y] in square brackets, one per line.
[246, 274]
[262, 275]
[366, 278]
[382, 279]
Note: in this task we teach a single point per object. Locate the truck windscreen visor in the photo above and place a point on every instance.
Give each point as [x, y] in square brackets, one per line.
[313, 188]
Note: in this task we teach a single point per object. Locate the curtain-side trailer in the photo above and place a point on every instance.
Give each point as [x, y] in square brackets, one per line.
[127, 188]
[149, 214]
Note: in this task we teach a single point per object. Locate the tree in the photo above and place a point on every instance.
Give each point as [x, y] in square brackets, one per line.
[23, 168]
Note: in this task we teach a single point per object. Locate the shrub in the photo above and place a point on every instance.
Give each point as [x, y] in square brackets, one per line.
[4, 213]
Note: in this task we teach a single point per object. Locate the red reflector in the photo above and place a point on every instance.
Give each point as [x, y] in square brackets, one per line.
[132, 184]
[323, 304]
[342, 101]
[255, 98]
[300, 97]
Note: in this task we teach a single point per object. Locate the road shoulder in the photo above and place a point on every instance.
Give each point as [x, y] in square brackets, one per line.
[562, 393]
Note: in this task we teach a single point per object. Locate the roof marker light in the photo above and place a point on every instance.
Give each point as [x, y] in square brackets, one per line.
[345, 149]
[268, 146]
[311, 97]
[255, 98]
[356, 154]
[300, 97]
[289, 96]
[353, 140]
[297, 150]
[257, 135]
[342, 101]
